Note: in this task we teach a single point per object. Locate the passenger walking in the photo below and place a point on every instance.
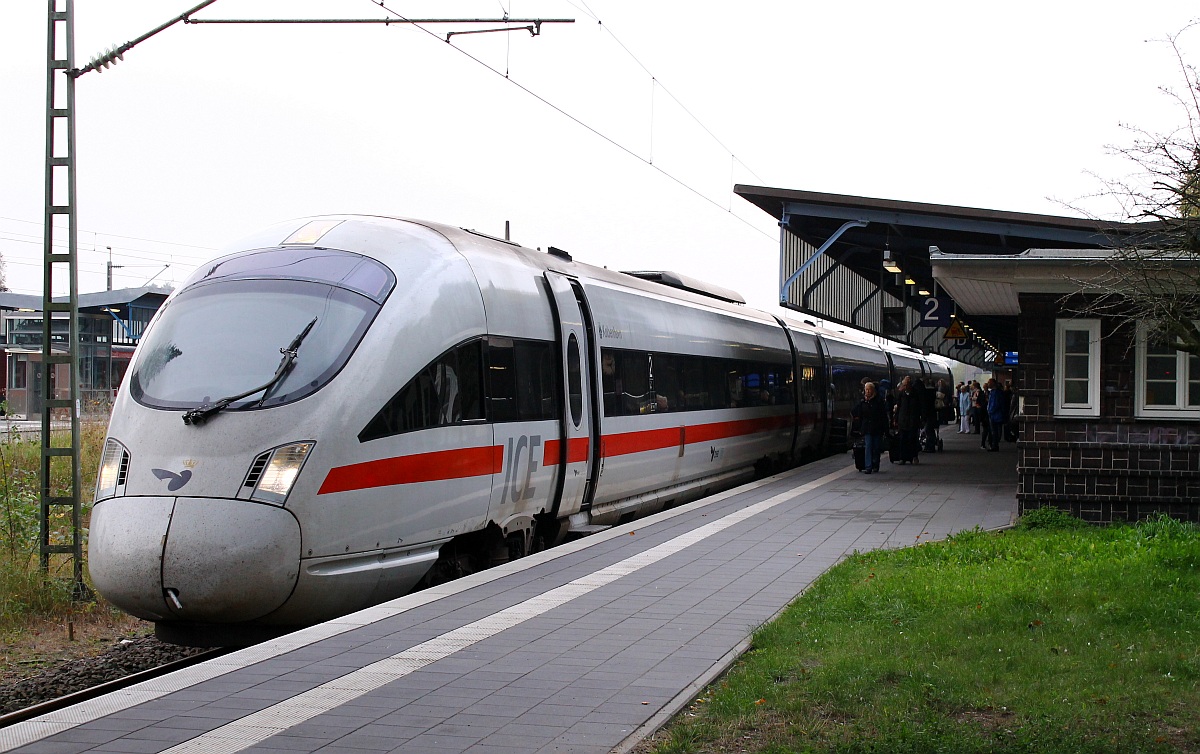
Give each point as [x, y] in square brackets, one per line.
[872, 415]
[928, 413]
[889, 398]
[908, 421]
[942, 403]
[982, 424]
[964, 409]
[974, 388]
[997, 410]
[1010, 424]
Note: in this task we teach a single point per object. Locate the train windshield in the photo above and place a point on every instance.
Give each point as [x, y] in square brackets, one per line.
[223, 338]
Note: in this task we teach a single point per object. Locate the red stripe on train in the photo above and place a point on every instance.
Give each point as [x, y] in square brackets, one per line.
[577, 451]
[672, 437]
[422, 467]
[482, 461]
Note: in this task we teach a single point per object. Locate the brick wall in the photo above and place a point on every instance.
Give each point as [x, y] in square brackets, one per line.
[1108, 468]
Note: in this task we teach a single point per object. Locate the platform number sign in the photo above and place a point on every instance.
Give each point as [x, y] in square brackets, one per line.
[936, 311]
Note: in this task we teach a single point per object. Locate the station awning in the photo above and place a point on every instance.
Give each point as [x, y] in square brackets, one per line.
[850, 285]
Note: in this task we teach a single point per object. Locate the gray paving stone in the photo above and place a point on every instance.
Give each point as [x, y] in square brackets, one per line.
[128, 746]
[87, 736]
[52, 747]
[115, 723]
[438, 740]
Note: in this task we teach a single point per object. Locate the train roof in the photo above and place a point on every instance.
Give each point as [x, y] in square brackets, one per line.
[665, 284]
[661, 283]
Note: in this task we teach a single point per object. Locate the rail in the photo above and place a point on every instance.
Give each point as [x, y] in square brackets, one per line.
[116, 684]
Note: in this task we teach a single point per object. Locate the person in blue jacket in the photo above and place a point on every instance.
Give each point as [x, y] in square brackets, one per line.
[997, 412]
[964, 409]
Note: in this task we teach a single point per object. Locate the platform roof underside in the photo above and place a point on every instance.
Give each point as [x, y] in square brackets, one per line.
[909, 229]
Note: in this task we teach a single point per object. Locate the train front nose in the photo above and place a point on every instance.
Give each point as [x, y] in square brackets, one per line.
[207, 560]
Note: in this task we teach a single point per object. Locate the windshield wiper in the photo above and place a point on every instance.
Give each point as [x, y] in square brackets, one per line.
[200, 414]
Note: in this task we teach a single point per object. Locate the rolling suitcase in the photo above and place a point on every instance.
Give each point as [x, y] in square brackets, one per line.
[860, 456]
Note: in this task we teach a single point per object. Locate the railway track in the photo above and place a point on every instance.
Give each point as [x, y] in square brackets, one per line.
[106, 687]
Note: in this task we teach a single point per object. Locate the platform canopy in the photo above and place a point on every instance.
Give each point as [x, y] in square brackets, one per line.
[834, 249]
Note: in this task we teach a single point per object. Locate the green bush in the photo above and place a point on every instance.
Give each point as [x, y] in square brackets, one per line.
[1049, 517]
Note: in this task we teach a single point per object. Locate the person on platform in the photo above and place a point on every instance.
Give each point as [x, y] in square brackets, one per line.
[908, 421]
[1011, 425]
[927, 397]
[964, 409]
[982, 425]
[997, 414]
[873, 423]
[884, 388]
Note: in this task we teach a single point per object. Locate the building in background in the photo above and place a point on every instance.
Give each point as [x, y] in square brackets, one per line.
[110, 325]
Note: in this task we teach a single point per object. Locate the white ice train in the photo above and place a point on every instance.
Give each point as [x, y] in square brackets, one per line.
[346, 408]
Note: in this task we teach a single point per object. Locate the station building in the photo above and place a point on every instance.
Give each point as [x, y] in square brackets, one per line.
[1108, 423]
[110, 325]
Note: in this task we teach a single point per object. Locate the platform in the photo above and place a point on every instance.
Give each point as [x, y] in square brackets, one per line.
[585, 648]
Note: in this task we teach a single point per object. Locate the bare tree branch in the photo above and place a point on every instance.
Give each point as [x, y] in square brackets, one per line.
[1152, 273]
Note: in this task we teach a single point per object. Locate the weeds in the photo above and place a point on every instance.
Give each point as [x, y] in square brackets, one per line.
[1049, 517]
[25, 591]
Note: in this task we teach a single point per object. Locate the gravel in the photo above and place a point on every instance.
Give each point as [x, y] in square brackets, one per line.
[125, 657]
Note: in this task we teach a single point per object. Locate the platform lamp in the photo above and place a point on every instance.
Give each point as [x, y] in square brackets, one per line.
[889, 262]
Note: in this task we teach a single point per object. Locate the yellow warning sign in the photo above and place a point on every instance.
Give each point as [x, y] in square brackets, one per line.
[955, 331]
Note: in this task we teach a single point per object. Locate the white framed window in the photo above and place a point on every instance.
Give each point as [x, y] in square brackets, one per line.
[1167, 380]
[1077, 367]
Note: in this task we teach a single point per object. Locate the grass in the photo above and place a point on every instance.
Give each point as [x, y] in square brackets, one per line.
[1051, 637]
[26, 593]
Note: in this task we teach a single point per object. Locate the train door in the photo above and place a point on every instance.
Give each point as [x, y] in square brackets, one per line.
[826, 395]
[794, 453]
[579, 441]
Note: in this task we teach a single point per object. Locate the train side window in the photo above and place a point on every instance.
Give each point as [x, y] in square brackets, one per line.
[636, 382]
[733, 378]
[501, 381]
[753, 385]
[536, 380]
[693, 384]
[470, 381]
[522, 380]
[668, 389]
[609, 384]
[716, 371]
[634, 370]
[445, 392]
[574, 380]
[809, 389]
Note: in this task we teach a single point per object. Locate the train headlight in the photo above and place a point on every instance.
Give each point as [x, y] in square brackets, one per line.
[275, 471]
[114, 468]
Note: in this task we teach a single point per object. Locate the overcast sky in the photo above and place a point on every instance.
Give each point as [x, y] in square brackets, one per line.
[207, 132]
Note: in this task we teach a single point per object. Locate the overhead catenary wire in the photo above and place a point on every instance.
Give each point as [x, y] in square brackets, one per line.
[608, 30]
[507, 77]
[38, 223]
[133, 251]
[582, 5]
[127, 254]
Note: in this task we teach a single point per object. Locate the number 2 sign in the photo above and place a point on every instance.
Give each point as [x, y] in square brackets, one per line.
[935, 311]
